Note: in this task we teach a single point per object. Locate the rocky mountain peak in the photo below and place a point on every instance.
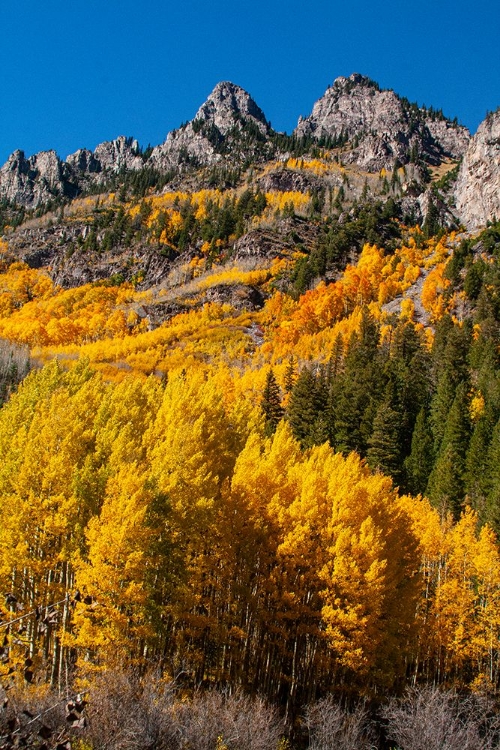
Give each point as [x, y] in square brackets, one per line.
[224, 128]
[121, 153]
[228, 104]
[477, 190]
[380, 126]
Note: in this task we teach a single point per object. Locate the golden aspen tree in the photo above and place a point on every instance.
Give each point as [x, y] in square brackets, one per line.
[43, 517]
[113, 619]
[192, 449]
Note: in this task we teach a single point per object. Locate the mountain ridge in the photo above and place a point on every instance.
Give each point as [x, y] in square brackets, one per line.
[217, 134]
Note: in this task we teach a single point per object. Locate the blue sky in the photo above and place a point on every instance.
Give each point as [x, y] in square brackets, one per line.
[78, 72]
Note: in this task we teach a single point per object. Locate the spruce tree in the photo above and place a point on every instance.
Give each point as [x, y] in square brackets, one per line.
[290, 374]
[421, 459]
[492, 481]
[301, 411]
[476, 464]
[447, 481]
[271, 404]
[384, 452]
[306, 411]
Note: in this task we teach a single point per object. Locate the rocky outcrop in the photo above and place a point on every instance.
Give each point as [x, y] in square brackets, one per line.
[107, 158]
[225, 127]
[477, 189]
[83, 162]
[61, 250]
[39, 179]
[228, 127]
[287, 180]
[122, 153]
[380, 127]
[452, 138]
[376, 129]
[287, 235]
[36, 180]
[228, 106]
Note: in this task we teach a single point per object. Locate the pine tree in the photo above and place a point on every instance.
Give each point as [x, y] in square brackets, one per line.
[476, 465]
[492, 481]
[307, 407]
[290, 374]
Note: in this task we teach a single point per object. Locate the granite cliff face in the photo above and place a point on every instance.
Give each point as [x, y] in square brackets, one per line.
[228, 106]
[226, 127]
[107, 158]
[381, 127]
[477, 190]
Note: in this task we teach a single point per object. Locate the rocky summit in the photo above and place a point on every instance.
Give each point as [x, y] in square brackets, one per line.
[217, 131]
[383, 127]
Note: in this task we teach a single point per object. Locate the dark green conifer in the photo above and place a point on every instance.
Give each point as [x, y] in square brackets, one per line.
[447, 481]
[384, 452]
[271, 404]
[492, 481]
[307, 408]
[421, 459]
[290, 374]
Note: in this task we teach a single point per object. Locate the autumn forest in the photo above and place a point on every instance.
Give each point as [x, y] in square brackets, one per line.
[264, 483]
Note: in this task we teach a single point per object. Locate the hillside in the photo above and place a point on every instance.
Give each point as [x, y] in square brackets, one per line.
[250, 418]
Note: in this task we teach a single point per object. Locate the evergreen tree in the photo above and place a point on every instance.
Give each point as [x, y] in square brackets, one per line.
[271, 404]
[440, 408]
[492, 481]
[307, 408]
[421, 459]
[335, 363]
[446, 483]
[476, 464]
[290, 375]
[384, 452]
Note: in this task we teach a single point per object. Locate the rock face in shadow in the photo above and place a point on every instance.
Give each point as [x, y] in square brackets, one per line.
[380, 126]
[477, 190]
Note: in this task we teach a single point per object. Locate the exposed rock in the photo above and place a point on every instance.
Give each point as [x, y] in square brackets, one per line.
[477, 189]
[108, 158]
[451, 137]
[83, 161]
[433, 208]
[216, 133]
[380, 126]
[36, 180]
[239, 296]
[60, 249]
[117, 155]
[229, 105]
[288, 235]
[286, 180]
[43, 177]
